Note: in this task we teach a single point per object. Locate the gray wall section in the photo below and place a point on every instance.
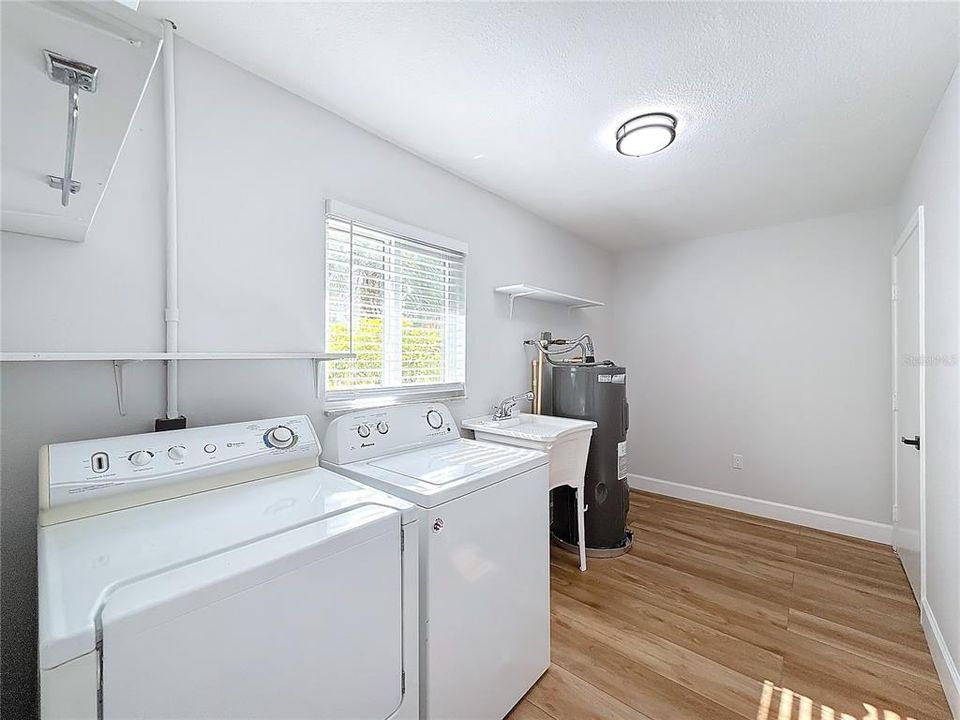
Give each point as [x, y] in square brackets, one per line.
[255, 164]
[773, 343]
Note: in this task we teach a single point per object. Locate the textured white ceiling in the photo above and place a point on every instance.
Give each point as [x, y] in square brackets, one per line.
[786, 110]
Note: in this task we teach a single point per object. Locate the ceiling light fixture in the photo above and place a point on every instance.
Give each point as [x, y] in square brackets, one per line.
[646, 134]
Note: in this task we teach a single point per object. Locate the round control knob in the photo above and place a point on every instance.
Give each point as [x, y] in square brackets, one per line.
[363, 430]
[177, 452]
[434, 419]
[209, 448]
[281, 437]
[382, 428]
[141, 457]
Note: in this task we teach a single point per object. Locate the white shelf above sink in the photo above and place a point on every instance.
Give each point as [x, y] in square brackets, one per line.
[532, 292]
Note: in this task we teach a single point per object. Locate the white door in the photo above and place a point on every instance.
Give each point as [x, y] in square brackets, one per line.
[909, 450]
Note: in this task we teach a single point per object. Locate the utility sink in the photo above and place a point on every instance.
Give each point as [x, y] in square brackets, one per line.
[565, 440]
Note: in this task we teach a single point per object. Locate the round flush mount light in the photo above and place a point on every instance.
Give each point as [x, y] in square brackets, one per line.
[646, 134]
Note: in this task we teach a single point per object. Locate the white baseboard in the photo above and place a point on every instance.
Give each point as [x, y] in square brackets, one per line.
[942, 659]
[854, 527]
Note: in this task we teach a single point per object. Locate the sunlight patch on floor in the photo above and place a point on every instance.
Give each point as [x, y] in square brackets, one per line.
[777, 703]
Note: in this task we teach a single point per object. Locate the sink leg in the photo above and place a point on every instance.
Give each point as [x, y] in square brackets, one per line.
[580, 531]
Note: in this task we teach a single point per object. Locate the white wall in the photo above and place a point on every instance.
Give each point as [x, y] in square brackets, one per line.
[255, 164]
[773, 343]
[934, 182]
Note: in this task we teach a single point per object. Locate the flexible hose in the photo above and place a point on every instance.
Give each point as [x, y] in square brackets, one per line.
[584, 342]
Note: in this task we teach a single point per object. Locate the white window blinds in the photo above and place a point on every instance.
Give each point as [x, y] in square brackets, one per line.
[399, 303]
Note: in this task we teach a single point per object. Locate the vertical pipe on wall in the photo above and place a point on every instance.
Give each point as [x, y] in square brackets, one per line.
[536, 370]
[171, 314]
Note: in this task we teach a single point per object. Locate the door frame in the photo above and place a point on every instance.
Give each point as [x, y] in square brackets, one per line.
[916, 223]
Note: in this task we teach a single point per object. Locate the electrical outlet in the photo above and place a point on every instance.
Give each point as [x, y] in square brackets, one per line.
[736, 461]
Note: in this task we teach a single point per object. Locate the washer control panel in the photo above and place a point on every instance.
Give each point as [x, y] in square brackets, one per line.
[365, 434]
[106, 470]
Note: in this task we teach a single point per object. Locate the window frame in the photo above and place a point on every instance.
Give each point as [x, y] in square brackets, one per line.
[335, 401]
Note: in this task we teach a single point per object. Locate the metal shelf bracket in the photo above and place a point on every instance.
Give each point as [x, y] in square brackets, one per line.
[120, 381]
[76, 76]
[514, 296]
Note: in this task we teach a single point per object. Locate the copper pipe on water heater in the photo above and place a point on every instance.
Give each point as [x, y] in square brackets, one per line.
[537, 385]
[537, 369]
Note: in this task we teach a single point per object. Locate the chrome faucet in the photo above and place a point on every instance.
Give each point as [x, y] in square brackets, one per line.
[504, 410]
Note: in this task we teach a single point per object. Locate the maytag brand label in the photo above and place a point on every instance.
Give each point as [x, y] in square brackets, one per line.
[622, 460]
[604, 378]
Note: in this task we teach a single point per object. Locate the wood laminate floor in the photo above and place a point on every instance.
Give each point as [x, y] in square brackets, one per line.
[716, 615]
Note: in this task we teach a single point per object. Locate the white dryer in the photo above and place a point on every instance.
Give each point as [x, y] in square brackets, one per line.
[218, 572]
[484, 551]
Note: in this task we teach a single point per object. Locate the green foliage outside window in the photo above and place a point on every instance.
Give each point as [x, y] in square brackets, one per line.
[367, 369]
[421, 354]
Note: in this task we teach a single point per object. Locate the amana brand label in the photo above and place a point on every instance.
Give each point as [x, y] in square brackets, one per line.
[621, 460]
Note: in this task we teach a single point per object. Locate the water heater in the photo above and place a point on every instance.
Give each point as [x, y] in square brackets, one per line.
[598, 392]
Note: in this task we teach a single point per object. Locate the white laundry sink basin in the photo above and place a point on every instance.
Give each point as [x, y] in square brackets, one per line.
[565, 440]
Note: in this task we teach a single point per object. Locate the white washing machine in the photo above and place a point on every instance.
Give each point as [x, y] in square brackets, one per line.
[218, 572]
[484, 551]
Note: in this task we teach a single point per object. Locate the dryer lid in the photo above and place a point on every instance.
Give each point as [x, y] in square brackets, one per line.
[298, 625]
[82, 563]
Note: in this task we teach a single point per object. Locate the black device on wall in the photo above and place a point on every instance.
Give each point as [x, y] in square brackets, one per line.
[164, 424]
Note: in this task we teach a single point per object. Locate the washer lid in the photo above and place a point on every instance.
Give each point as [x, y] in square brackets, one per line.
[442, 464]
[437, 473]
[82, 562]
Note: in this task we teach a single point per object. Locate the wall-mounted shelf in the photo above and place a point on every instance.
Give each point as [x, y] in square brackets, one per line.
[137, 356]
[121, 359]
[531, 292]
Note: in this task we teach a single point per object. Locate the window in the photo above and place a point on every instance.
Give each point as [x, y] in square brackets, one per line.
[395, 296]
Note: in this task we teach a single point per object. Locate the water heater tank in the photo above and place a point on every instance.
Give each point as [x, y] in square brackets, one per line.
[599, 393]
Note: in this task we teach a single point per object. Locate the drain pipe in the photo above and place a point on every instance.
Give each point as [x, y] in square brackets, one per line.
[171, 313]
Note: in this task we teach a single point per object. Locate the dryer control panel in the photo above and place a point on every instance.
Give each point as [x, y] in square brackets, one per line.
[89, 477]
[366, 434]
